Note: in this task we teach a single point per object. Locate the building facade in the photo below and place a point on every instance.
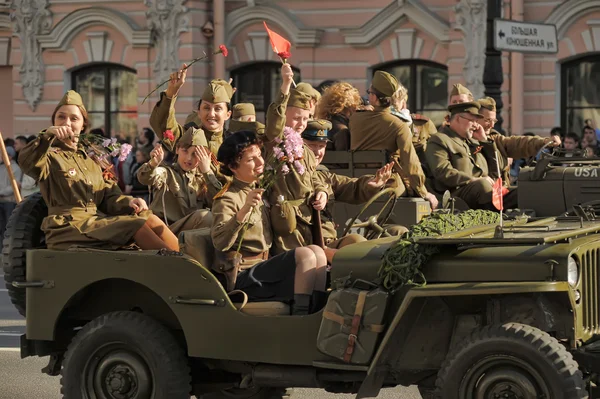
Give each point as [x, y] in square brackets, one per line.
[114, 52]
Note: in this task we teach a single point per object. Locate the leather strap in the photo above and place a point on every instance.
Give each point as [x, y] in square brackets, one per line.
[347, 322]
[355, 326]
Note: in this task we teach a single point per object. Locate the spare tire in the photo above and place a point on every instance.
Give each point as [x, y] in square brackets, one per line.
[23, 232]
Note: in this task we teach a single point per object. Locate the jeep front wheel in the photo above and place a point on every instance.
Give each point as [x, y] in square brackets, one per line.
[125, 355]
[510, 361]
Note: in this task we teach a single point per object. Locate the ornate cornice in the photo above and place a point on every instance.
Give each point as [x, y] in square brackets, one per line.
[566, 14]
[67, 28]
[391, 17]
[31, 18]
[296, 32]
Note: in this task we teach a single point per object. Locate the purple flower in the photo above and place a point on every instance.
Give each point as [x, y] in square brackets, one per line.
[299, 167]
[125, 150]
[106, 143]
[285, 169]
[113, 141]
[277, 152]
[277, 140]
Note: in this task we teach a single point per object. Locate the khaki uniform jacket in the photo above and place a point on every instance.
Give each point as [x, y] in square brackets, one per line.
[343, 189]
[381, 130]
[452, 162]
[184, 192]
[163, 118]
[83, 207]
[292, 186]
[226, 230]
[515, 147]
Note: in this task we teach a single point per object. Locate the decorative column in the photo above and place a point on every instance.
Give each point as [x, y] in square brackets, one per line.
[493, 75]
[470, 19]
[31, 18]
[167, 20]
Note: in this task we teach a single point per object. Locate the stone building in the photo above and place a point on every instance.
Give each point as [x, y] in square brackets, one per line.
[115, 51]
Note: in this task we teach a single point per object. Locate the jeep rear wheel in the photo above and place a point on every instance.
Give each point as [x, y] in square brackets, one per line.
[512, 361]
[22, 233]
[125, 355]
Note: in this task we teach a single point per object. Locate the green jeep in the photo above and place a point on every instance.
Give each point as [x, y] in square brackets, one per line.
[511, 313]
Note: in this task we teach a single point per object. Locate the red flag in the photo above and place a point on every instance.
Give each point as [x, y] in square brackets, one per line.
[497, 192]
[280, 45]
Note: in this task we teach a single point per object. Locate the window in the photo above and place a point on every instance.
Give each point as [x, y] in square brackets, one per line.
[258, 83]
[109, 93]
[427, 85]
[580, 93]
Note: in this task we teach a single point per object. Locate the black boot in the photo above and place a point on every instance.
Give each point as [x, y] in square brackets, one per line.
[317, 301]
[301, 304]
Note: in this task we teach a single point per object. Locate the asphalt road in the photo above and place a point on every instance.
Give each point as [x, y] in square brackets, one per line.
[23, 379]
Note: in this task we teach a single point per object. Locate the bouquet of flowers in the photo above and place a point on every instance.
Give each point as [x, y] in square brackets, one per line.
[101, 149]
[286, 154]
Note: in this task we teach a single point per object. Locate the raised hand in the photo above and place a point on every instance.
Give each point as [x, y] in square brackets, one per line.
[382, 176]
[177, 80]
[204, 155]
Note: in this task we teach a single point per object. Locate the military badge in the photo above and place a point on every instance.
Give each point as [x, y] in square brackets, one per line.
[72, 172]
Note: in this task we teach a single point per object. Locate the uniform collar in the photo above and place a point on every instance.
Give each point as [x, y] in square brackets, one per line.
[386, 110]
[190, 174]
[242, 184]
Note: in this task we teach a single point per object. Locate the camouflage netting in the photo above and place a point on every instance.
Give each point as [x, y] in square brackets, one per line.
[402, 262]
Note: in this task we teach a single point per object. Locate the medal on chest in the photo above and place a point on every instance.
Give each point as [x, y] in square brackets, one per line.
[72, 172]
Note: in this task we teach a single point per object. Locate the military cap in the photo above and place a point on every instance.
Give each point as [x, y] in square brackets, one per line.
[243, 109]
[317, 130]
[488, 103]
[218, 91]
[299, 99]
[385, 83]
[459, 89]
[471, 107]
[193, 136]
[238, 126]
[70, 98]
[308, 89]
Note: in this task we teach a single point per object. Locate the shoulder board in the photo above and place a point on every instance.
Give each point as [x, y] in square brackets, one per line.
[419, 117]
[223, 190]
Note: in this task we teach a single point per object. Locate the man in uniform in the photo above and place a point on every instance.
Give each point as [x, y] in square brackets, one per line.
[380, 130]
[341, 188]
[514, 147]
[244, 118]
[313, 93]
[454, 166]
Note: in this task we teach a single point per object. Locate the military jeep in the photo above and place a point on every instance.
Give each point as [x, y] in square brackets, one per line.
[511, 313]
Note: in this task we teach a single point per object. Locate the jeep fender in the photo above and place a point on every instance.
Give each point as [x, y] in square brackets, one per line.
[410, 305]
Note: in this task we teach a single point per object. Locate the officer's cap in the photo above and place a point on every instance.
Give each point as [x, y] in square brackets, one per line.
[317, 130]
[471, 107]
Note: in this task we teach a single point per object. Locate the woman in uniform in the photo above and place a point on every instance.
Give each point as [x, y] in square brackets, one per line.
[239, 210]
[84, 207]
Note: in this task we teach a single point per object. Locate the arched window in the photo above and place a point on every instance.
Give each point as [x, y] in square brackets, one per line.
[580, 98]
[109, 93]
[258, 83]
[427, 85]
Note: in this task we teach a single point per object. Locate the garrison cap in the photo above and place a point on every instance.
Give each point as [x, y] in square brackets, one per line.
[193, 136]
[488, 103]
[193, 118]
[299, 99]
[317, 130]
[70, 98]
[458, 89]
[218, 91]
[471, 107]
[238, 126]
[385, 83]
[243, 109]
[308, 89]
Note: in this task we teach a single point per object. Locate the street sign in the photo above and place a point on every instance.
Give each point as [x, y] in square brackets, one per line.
[523, 37]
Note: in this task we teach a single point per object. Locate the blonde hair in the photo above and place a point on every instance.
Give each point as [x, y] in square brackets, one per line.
[336, 99]
[400, 95]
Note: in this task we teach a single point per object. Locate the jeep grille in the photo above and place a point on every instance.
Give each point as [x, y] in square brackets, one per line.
[590, 280]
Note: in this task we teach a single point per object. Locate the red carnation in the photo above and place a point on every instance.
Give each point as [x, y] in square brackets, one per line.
[224, 50]
[168, 134]
[284, 55]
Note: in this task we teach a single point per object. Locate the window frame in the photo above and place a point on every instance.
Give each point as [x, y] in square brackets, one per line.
[414, 92]
[106, 67]
[574, 62]
[263, 67]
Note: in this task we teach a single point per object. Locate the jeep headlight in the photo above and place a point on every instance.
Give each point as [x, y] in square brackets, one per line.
[572, 272]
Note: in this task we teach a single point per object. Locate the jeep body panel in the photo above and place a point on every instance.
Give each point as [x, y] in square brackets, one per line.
[172, 278]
